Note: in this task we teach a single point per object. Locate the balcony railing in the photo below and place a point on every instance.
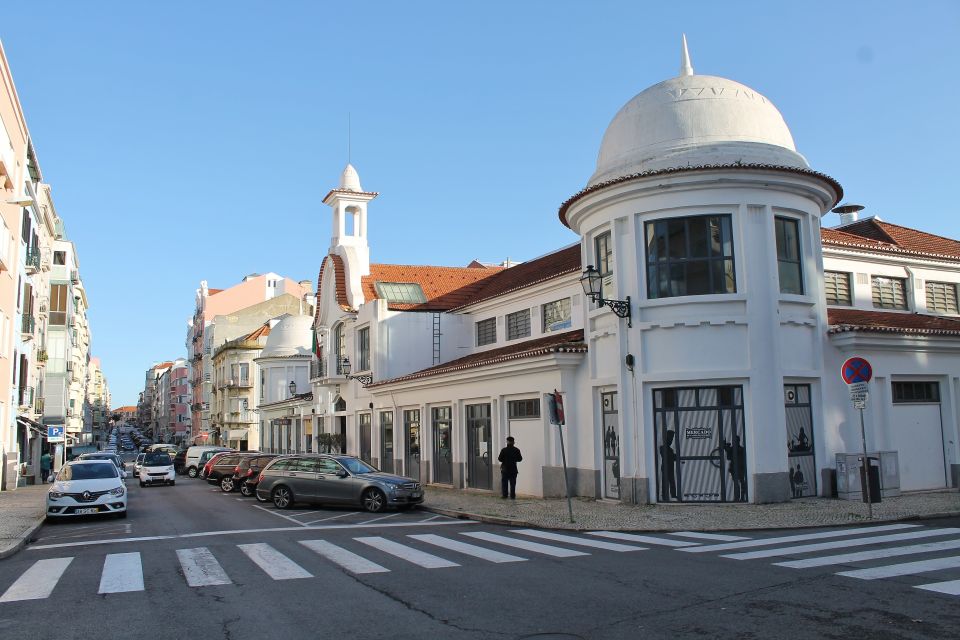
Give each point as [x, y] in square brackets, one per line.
[26, 396]
[33, 259]
[318, 369]
[27, 325]
[38, 405]
[42, 355]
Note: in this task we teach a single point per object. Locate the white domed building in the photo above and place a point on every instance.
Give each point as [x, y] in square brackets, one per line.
[694, 333]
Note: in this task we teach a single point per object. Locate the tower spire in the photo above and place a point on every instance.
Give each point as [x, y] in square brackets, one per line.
[686, 69]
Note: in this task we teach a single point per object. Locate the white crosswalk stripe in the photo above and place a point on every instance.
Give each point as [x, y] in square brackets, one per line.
[467, 549]
[38, 581]
[558, 537]
[275, 564]
[838, 544]
[200, 568]
[535, 547]
[903, 569]
[708, 536]
[951, 587]
[122, 572]
[761, 542]
[874, 554]
[346, 559]
[633, 537]
[417, 557]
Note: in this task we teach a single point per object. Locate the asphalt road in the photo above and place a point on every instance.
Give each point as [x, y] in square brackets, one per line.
[190, 561]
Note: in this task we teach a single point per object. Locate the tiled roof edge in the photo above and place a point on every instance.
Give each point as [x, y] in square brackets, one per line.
[885, 248]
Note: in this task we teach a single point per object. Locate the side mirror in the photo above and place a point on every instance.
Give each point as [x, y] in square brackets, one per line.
[342, 474]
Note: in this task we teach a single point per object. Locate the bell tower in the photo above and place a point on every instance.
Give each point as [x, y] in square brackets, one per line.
[349, 235]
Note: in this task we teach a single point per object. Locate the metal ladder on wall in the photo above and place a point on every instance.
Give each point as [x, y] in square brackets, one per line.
[436, 338]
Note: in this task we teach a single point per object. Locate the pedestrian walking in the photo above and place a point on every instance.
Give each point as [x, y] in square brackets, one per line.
[46, 462]
[509, 457]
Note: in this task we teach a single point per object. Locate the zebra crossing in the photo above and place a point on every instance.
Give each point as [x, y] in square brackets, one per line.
[813, 544]
[373, 554]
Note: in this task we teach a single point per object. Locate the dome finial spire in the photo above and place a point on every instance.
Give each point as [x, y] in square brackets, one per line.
[686, 69]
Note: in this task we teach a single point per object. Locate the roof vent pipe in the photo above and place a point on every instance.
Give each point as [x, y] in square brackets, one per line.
[849, 213]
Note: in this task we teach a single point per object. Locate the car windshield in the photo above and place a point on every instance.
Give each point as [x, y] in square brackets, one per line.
[87, 472]
[356, 465]
[156, 460]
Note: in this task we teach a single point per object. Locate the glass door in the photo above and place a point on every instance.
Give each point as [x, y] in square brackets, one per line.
[610, 426]
[365, 438]
[442, 454]
[803, 464]
[411, 438]
[479, 469]
[386, 441]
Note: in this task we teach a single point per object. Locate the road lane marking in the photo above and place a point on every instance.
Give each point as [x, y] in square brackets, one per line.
[38, 581]
[237, 532]
[200, 568]
[275, 564]
[342, 515]
[903, 569]
[558, 537]
[708, 536]
[392, 515]
[279, 515]
[417, 557]
[847, 558]
[467, 549]
[951, 587]
[760, 542]
[526, 545]
[838, 544]
[122, 572]
[632, 537]
[346, 559]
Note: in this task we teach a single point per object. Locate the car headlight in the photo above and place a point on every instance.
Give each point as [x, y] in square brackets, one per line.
[391, 486]
[55, 495]
[117, 491]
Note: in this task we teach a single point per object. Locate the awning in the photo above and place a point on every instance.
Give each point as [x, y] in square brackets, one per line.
[36, 427]
[237, 434]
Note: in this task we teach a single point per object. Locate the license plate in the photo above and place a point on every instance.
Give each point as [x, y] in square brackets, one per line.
[89, 510]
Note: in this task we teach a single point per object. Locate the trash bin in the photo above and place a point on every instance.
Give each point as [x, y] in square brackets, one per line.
[873, 466]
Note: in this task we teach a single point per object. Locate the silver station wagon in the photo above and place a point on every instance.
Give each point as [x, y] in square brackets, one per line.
[335, 480]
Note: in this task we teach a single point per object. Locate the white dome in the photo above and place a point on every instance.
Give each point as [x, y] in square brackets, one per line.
[350, 179]
[290, 337]
[694, 120]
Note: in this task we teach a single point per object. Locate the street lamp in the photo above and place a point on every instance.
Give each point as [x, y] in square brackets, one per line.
[346, 367]
[592, 284]
[293, 388]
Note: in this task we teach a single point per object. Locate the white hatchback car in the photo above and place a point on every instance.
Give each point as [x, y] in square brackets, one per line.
[157, 467]
[85, 487]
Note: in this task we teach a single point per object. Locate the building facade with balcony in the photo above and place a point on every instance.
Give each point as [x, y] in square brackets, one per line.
[695, 332]
[98, 400]
[235, 389]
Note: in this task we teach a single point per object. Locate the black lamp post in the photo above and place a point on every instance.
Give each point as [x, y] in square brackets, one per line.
[293, 388]
[346, 367]
[592, 284]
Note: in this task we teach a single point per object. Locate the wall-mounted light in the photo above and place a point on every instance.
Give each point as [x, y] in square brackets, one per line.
[346, 367]
[592, 283]
[293, 388]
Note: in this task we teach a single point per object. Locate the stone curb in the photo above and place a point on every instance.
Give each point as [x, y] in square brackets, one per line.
[25, 537]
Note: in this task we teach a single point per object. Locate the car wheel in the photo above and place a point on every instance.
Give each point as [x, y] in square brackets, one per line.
[192, 472]
[226, 485]
[374, 500]
[282, 497]
[245, 490]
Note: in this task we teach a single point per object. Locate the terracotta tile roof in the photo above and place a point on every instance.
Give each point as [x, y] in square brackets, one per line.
[261, 332]
[525, 274]
[340, 277]
[567, 342]
[877, 235]
[316, 311]
[845, 320]
[443, 287]
[163, 365]
[707, 167]
[212, 292]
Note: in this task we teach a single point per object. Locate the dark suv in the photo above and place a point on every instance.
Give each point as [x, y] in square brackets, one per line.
[246, 474]
[221, 471]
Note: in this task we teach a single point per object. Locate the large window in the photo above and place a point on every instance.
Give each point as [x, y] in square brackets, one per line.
[363, 349]
[58, 304]
[789, 268]
[556, 315]
[518, 324]
[836, 286]
[942, 297]
[603, 252]
[339, 346]
[889, 293]
[486, 331]
[904, 392]
[690, 256]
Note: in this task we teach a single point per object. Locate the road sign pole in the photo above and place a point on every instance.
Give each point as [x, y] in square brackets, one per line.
[866, 467]
[566, 480]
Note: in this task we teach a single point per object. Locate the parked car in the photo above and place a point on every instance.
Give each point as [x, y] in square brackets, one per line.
[105, 455]
[137, 464]
[211, 458]
[197, 456]
[335, 479]
[178, 459]
[157, 468]
[220, 469]
[246, 473]
[84, 487]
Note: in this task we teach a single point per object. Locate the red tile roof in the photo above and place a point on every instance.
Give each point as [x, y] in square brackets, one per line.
[844, 320]
[567, 342]
[876, 235]
[211, 292]
[443, 287]
[261, 332]
[340, 277]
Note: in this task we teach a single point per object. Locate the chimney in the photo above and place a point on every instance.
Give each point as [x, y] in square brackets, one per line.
[849, 213]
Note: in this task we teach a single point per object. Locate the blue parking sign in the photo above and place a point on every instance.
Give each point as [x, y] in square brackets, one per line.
[55, 434]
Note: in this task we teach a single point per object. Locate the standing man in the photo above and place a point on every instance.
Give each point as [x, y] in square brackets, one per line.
[45, 464]
[509, 457]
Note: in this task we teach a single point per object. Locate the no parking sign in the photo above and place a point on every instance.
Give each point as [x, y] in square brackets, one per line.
[857, 372]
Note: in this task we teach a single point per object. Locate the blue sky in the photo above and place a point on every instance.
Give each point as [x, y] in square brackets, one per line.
[195, 140]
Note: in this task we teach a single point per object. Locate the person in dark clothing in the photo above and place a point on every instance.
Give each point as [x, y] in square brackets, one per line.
[668, 469]
[508, 458]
